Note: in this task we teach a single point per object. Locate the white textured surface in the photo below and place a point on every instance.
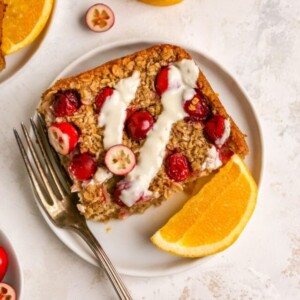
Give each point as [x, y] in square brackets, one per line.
[259, 41]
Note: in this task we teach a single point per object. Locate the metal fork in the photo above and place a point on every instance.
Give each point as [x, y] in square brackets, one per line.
[52, 190]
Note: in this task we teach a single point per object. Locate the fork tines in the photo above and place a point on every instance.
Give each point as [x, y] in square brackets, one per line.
[48, 186]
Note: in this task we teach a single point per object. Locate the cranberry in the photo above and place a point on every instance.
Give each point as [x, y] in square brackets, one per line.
[139, 124]
[120, 160]
[99, 17]
[7, 292]
[161, 83]
[83, 166]
[177, 167]
[225, 154]
[197, 107]
[129, 112]
[66, 103]
[214, 128]
[102, 96]
[63, 137]
[3, 263]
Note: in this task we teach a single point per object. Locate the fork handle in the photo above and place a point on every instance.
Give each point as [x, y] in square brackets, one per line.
[104, 261]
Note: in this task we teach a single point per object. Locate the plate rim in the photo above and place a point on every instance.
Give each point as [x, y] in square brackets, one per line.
[130, 42]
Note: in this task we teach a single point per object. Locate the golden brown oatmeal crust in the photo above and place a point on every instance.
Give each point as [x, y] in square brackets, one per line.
[186, 137]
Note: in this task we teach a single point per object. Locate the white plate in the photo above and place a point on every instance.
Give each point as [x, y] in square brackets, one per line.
[127, 242]
[14, 275]
[16, 61]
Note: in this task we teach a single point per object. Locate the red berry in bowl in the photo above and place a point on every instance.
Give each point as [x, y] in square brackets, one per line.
[99, 17]
[63, 137]
[83, 166]
[120, 160]
[66, 103]
[177, 167]
[7, 292]
[197, 107]
[3, 263]
[162, 81]
[102, 96]
[139, 124]
[215, 128]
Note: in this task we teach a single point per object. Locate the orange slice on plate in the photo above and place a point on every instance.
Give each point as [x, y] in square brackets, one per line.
[161, 2]
[23, 22]
[214, 218]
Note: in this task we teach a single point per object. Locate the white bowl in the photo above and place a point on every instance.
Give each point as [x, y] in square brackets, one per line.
[14, 276]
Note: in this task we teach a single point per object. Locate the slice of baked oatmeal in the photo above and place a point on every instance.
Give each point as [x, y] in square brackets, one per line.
[137, 129]
[2, 60]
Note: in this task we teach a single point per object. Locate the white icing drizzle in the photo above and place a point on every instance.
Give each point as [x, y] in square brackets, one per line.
[212, 160]
[219, 142]
[113, 112]
[182, 77]
[102, 175]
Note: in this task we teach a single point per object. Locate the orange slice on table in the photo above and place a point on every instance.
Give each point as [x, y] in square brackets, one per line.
[214, 218]
[23, 22]
[161, 2]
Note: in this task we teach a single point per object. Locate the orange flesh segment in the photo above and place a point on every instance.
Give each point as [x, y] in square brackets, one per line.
[181, 222]
[214, 218]
[23, 21]
[17, 28]
[211, 227]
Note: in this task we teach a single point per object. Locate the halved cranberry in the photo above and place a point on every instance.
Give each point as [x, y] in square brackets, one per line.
[162, 82]
[197, 107]
[66, 103]
[177, 167]
[63, 137]
[102, 96]
[214, 128]
[120, 160]
[139, 124]
[83, 166]
[99, 17]
[7, 292]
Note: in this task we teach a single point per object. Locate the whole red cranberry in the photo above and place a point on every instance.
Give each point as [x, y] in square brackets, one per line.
[197, 107]
[214, 128]
[66, 103]
[102, 96]
[177, 167]
[139, 124]
[83, 166]
[162, 82]
[225, 154]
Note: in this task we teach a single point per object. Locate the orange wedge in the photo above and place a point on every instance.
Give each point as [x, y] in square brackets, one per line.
[161, 2]
[23, 22]
[214, 218]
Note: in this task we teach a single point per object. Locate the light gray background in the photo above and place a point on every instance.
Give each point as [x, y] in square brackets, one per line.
[259, 41]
